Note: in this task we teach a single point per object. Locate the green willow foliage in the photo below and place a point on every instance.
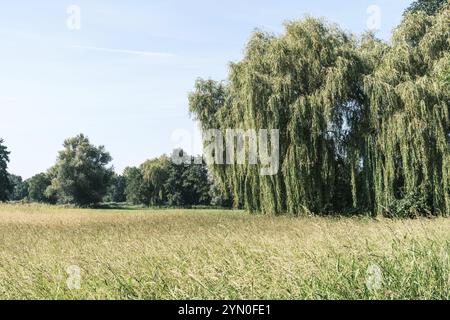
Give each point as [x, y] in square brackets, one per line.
[364, 125]
[430, 7]
[409, 109]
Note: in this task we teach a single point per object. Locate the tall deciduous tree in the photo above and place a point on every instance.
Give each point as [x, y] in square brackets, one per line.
[155, 174]
[187, 182]
[116, 189]
[19, 188]
[82, 174]
[5, 185]
[196, 183]
[134, 186]
[37, 188]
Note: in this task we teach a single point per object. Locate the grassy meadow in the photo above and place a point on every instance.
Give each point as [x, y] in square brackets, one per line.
[213, 254]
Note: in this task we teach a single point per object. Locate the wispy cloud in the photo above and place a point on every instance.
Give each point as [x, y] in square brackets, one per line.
[124, 51]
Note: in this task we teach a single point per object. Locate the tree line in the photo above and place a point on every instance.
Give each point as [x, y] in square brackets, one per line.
[364, 124]
[82, 176]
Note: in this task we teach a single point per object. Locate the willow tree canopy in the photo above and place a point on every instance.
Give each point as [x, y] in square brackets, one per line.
[364, 125]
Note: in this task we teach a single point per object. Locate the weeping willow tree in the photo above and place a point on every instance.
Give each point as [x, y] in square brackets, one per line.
[301, 84]
[363, 124]
[408, 154]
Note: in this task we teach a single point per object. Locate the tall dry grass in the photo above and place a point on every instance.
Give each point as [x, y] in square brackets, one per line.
[209, 254]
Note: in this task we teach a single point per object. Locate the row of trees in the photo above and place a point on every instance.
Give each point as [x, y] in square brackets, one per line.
[82, 176]
[364, 125]
[182, 182]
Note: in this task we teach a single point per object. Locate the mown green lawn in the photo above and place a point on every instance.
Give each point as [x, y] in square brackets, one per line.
[57, 253]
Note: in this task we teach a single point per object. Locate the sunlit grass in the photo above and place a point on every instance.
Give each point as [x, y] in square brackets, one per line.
[211, 254]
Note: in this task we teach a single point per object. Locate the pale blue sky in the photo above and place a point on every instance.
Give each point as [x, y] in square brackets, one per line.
[124, 77]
